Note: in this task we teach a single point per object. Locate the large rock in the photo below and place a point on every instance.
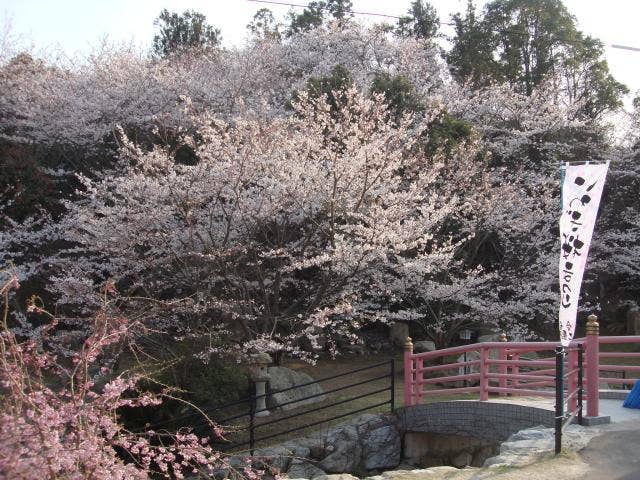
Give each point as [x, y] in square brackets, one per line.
[368, 442]
[281, 378]
[381, 448]
[398, 332]
[527, 446]
[302, 469]
[434, 473]
[345, 450]
[279, 457]
[341, 476]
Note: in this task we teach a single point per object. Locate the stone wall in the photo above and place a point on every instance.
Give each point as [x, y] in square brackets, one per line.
[460, 433]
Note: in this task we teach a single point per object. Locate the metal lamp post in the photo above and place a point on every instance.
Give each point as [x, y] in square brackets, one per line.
[465, 336]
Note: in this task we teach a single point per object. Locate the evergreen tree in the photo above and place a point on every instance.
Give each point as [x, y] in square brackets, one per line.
[314, 15]
[471, 57]
[522, 42]
[421, 21]
[187, 30]
[264, 25]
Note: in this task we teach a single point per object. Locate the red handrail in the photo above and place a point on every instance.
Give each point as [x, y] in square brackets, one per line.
[499, 367]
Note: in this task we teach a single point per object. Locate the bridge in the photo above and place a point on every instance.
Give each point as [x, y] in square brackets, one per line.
[509, 369]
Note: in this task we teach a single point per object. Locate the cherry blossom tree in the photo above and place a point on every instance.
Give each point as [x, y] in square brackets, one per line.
[70, 427]
[275, 230]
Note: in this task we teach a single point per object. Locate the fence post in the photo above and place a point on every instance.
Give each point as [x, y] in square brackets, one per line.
[593, 366]
[408, 372]
[484, 370]
[559, 398]
[252, 423]
[393, 385]
[419, 384]
[502, 369]
[580, 374]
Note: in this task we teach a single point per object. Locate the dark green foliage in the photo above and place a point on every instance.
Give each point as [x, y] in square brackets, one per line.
[329, 86]
[446, 132]
[210, 384]
[398, 91]
[595, 86]
[264, 25]
[471, 56]
[443, 134]
[24, 188]
[339, 9]
[204, 385]
[187, 30]
[529, 38]
[314, 15]
[522, 42]
[310, 18]
[421, 21]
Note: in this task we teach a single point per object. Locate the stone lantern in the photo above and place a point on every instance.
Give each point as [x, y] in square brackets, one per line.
[260, 376]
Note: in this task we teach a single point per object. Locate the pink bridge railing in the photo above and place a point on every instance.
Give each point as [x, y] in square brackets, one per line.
[518, 368]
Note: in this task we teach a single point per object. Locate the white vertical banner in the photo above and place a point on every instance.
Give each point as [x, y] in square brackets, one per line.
[581, 192]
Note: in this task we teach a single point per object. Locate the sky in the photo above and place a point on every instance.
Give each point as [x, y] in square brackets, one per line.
[76, 26]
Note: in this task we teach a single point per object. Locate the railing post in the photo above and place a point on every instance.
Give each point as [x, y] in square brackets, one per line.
[484, 370]
[593, 366]
[502, 383]
[419, 392]
[559, 398]
[580, 375]
[573, 378]
[393, 385]
[408, 372]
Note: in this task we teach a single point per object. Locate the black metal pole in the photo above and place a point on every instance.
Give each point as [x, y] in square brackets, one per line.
[559, 397]
[252, 417]
[393, 385]
[466, 369]
[580, 373]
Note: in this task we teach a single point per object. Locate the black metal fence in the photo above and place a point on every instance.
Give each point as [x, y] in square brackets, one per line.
[565, 414]
[245, 427]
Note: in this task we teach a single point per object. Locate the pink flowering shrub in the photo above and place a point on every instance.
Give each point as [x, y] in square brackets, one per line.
[55, 422]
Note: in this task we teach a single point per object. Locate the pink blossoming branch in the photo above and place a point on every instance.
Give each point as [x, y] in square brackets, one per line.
[55, 422]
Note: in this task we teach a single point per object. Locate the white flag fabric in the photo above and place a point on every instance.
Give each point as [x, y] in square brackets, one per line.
[581, 192]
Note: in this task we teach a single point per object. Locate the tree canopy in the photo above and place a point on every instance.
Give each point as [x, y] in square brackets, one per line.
[316, 13]
[179, 31]
[523, 42]
[421, 21]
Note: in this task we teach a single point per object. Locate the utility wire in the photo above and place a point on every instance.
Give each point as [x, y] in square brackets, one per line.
[450, 24]
[625, 47]
[298, 5]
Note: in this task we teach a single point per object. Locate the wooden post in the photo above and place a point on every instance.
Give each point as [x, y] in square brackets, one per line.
[408, 372]
[484, 370]
[593, 366]
[419, 382]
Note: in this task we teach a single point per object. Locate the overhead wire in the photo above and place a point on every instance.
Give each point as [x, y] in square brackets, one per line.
[450, 24]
